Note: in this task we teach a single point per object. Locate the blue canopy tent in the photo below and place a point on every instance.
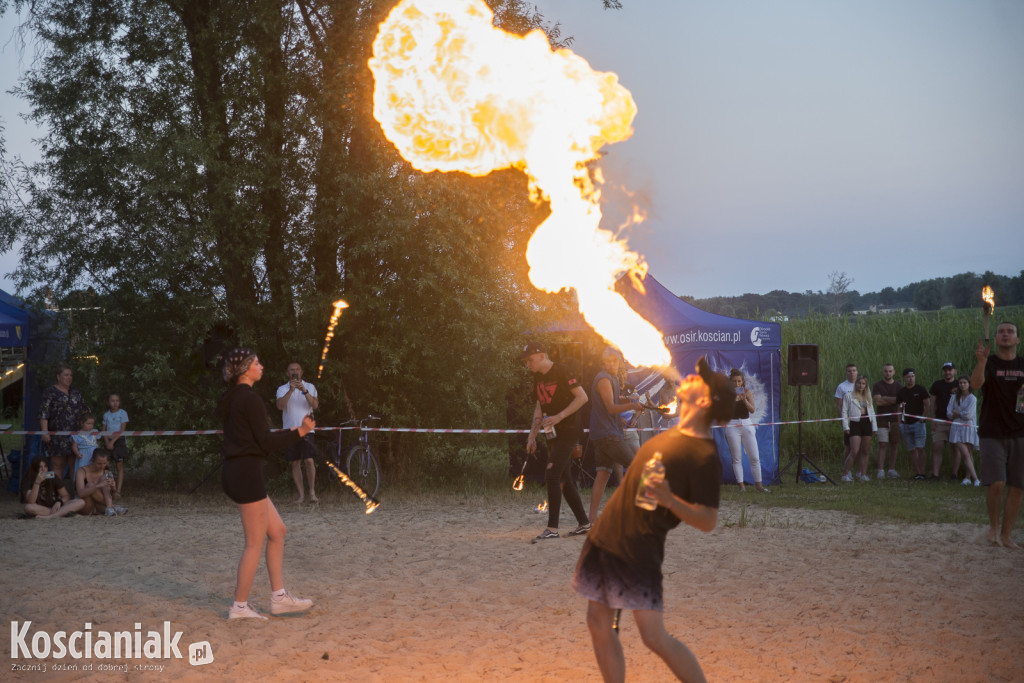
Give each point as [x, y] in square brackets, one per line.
[752, 346]
[14, 324]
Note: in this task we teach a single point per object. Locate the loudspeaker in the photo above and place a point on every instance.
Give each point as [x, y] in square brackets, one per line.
[803, 365]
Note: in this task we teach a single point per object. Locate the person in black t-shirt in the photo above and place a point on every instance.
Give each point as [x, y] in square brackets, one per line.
[941, 390]
[914, 402]
[1001, 430]
[556, 411]
[247, 441]
[620, 564]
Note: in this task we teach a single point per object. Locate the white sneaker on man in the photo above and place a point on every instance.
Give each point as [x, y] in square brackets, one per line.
[892, 474]
[245, 612]
[863, 477]
[847, 477]
[288, 604]
[881, 474]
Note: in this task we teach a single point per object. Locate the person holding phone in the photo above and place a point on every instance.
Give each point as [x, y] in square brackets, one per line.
[296, 399]
[43, 492]
[95, 485]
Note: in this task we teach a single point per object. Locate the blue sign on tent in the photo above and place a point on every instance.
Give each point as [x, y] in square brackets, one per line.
[751, 346]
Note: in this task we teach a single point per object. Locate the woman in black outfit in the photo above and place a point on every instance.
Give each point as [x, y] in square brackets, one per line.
[247, 441]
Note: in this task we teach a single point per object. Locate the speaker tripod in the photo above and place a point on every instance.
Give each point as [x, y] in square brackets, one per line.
[800, 456]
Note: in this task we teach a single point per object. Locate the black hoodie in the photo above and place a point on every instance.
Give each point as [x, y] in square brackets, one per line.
[246, 425]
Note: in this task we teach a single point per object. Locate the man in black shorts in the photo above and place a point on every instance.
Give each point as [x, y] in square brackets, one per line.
[296, 399]
[559, 398]
[1001, 429]
[620, 565]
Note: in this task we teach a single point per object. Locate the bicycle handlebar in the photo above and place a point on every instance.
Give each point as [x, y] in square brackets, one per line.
[360, 421]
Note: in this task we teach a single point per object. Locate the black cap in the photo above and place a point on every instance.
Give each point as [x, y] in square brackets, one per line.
[530, 349]
[723, 393]
[949, 365]
[908, 371]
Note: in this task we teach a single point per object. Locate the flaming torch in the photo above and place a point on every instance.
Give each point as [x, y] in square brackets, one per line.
[454, 93]
[339, 306]
[989, 297]
[517, 485]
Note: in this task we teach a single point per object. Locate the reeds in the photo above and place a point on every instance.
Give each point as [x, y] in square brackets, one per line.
[923, 341]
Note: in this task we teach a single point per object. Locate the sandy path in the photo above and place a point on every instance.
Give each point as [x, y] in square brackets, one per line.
[420, 591]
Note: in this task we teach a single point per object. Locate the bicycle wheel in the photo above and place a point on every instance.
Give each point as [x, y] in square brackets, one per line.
[362, 468]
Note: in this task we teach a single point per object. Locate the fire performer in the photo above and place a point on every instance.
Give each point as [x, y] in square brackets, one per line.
[1000, 377]
[620, 565]
[559, 399]
[606, 427]
[247, 441]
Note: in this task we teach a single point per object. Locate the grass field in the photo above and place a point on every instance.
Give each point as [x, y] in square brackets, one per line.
[923, 341]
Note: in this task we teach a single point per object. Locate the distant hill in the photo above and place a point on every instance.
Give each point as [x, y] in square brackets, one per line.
[959, 291]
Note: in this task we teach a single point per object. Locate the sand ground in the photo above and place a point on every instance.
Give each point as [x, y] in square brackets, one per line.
[423, 590]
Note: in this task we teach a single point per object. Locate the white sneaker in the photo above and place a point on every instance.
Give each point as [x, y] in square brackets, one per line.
[246, 612]
[847, 477]
[120, 510]
[892, 474]
[977, 482]
[110, 512]
[966, 481]
[881, 474]
[288, 604]
[863, 477]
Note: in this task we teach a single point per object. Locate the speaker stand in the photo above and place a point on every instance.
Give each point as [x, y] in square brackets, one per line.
[800, 457]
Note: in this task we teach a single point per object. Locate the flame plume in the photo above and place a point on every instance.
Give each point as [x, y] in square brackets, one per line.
[454, 93]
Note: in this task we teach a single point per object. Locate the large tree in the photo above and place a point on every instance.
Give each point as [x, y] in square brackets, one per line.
[212, 174]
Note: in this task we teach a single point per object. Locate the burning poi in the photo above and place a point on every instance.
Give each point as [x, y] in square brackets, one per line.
[454, 93]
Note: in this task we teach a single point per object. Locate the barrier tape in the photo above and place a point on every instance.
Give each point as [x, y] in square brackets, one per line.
[404, 430]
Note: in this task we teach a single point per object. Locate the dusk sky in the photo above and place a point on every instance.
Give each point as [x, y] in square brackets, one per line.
[779, 141]
[776, 142]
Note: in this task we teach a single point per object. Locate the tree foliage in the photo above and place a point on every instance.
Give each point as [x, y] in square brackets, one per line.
[959, 291]
[212, 175]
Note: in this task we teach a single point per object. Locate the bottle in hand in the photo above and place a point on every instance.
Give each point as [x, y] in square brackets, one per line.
[654, 472]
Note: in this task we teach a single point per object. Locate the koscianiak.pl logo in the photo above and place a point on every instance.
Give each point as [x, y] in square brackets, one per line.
[76, 650]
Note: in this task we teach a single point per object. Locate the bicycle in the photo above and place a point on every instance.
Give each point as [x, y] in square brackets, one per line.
[358, 461]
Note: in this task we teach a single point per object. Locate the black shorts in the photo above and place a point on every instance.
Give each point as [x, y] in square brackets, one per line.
[861, 427]
[242, 478]
[303, 449]
[119, 453]
[605, 578]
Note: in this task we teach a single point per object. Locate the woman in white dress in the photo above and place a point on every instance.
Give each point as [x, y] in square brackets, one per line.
[963, 433]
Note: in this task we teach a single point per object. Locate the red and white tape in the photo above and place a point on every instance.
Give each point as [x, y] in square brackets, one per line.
[404, 430]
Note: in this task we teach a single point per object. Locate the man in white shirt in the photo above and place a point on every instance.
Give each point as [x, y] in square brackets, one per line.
[842, 390]
[296, 399]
